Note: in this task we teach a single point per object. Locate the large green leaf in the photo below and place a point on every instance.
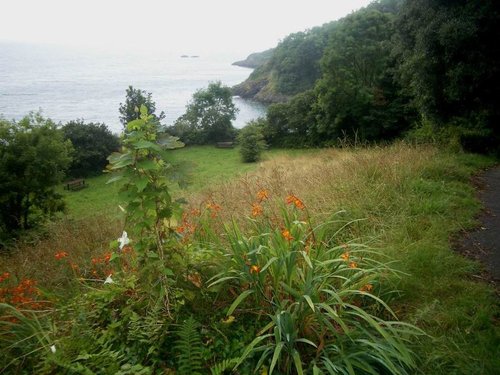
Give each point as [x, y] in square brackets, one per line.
[169, 142]
[142, 144]
[238, 300]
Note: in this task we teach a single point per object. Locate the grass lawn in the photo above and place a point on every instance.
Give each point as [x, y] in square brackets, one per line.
[210, 166]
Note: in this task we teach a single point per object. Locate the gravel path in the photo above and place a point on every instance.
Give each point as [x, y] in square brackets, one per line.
[483, 243]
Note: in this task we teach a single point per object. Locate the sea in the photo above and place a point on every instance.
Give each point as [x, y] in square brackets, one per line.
[69, 83]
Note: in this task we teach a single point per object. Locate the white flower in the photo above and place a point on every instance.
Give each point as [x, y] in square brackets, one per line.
[53, 348]
[108, 280]
[123, 240]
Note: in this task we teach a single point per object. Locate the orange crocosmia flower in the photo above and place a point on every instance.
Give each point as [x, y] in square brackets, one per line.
[180, 229]
[345, 256]
[195, 212]
[257, 210]
[292, 199]
[213, 206]
[287, 235]
[353, 265]
[60, 255]
[366, 288]
[262, 195]
[4, 276]
[107, 257]
[299, 204]
[254, 269]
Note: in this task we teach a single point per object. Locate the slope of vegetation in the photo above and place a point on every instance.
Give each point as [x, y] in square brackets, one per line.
[410, 200]
[420, 68]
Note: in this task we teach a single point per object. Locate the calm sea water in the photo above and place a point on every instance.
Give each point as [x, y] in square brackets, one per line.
[68, 84]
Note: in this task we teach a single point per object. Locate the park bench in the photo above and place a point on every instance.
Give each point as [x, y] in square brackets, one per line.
[225, 144]
[75, 184]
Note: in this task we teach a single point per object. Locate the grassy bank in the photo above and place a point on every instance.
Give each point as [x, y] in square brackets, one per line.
[411, 200]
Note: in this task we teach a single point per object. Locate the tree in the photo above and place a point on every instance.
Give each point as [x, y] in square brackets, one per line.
[92, 143]
[357, 93]
[33, 158]
[251, 141]
[448, 55]
[133, 101]
[208, 116]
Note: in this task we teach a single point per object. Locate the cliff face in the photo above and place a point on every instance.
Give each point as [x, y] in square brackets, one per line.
[256, 59]
[290, 68]
[259, 86]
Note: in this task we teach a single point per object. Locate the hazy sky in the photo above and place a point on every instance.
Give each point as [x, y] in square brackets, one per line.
[181, 26]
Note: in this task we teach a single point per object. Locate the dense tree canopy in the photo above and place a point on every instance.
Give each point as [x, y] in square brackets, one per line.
[33, 158]
[208, 117]
[92, 143]
[134, 99]
[448, 54]
[387, 69]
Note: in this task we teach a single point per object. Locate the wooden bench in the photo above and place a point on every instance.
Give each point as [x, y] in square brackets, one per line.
[225, 145]
[75, 184]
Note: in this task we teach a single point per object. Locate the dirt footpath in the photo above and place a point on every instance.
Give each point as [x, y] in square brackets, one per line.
[483, 243]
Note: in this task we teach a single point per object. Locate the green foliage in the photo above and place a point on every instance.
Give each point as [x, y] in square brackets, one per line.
[251, 141]
[319, 300]
[448, 62]
[92, 145]
[23, 333]
[189, 346]
[135, 98]
[224, 367]
[208, 117]
[293, 67]
[357, 93]
[33, 159]
[145, 174]
[291, 125]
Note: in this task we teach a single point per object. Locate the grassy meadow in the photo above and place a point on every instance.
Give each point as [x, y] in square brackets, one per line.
[411, 200]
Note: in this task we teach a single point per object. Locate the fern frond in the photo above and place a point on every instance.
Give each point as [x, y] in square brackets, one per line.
[189, 346]
[224, 367]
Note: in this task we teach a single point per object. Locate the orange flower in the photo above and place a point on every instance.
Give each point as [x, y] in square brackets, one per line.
[286, 234]
[4, 276]
[254, 269]
[262, 195]
[292, 199]
[107, 257]
[353, 265]
[214, 208]
[366, 288]
[195, 212]
[60, 255]
[257, 210]
[180, 229]
[345, 256]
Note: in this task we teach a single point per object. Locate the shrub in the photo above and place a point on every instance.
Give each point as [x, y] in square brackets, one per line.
[92, 145]
[251, 141]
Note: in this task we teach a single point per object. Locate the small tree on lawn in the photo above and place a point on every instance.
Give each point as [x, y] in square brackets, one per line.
[252, 142]
[208, 116]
